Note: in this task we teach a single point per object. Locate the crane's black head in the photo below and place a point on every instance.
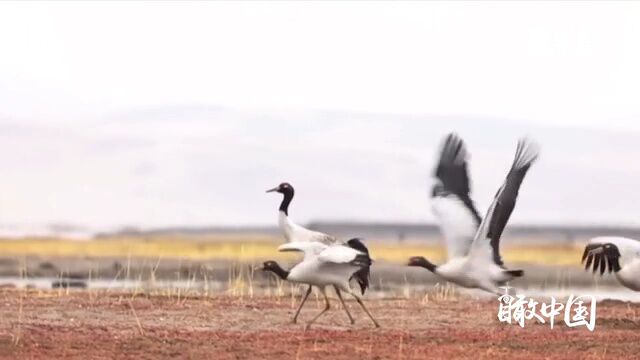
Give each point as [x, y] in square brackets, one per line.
[275, 268]
[421, 262]
[284, 188]
[287, 190]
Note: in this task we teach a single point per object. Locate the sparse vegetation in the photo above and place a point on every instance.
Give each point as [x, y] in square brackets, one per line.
[149, 324]
[251, 249]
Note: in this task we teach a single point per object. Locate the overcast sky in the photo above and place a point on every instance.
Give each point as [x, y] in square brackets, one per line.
[86, 88]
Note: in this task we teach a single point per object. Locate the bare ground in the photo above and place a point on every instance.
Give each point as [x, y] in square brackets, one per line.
[96, 325]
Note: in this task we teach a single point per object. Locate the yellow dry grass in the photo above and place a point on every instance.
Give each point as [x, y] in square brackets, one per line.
[254, 248]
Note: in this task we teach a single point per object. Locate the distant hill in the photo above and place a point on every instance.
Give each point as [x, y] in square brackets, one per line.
[196, 165]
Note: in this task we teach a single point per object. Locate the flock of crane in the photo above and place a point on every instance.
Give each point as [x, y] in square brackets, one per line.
[472, 242]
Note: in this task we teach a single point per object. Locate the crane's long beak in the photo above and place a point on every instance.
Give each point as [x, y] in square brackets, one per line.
[258, 268]
[274, 189]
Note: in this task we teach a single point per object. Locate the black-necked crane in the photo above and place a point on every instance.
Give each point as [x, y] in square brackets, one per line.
[324, 265]
[473, 246]
[295, 233]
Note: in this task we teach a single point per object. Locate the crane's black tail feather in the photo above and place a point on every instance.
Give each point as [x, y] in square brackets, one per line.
[362, 275]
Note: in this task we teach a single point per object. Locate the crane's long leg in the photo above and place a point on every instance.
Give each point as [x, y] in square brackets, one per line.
[344, 305]
[304, 299]
[327, 306]
[365, 309]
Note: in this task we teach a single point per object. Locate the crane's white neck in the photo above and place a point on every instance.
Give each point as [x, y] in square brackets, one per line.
[284, 223]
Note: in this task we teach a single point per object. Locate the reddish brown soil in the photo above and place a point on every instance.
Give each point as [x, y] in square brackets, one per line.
[92, 325]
